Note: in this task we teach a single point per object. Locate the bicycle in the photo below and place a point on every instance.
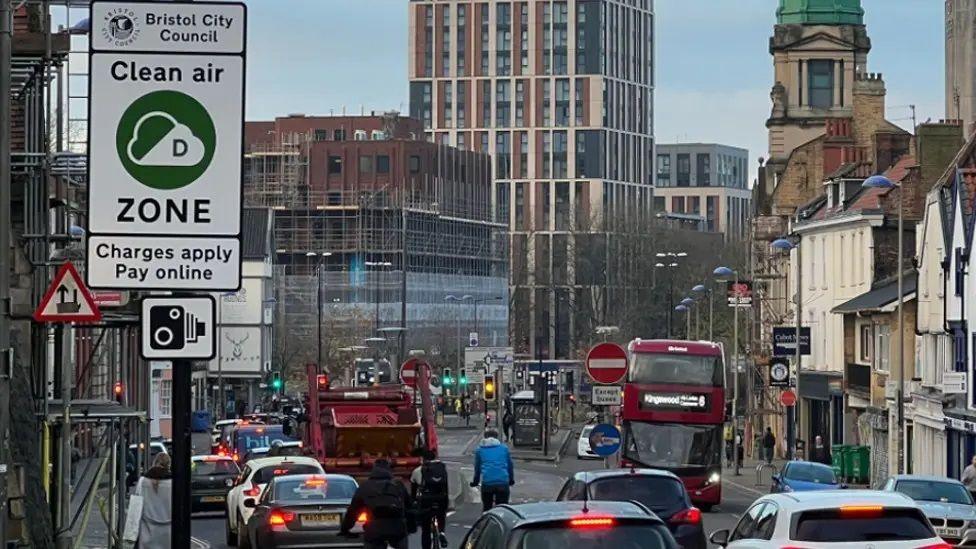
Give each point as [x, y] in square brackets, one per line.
[437, 537]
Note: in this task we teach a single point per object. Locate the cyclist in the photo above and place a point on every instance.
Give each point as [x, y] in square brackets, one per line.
[429, 489]
[493, 469]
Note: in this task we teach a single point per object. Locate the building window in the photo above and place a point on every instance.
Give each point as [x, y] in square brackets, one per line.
[821, 83]
[546, 102]
[335, 165]
[562, 102]
[580, 108]
[446, 43]
[503, 39]
[503, 155]
[339, 135]
[559, 37]
[462, 141]
[520, 103]
[547, 38]
[883, 347]
[448, 104]
[524, 38]
[365, 164]
[461, 35]
[960, 352]
[320, 135]
[486, 100]
[383, 164]
[520, 206]
[664, 170]
[462, 119]
[523, 154]
[503, 104]
[415, 163]
[502, 205]
[485, 33]
[428, 41]
[866, 351]
[684, 170]
[546, 154]
[546, 206]
[562, 206]
[559, 154]
[704, 175]
[166, 397]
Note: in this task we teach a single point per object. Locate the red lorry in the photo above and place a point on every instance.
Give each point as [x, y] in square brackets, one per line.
[348, 428]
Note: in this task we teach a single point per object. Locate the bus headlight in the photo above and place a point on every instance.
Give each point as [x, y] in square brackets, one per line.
[714, 478]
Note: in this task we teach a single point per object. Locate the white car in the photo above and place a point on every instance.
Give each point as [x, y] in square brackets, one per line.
[832, 519]
[583, 450]
[252, 481]
[218, 430]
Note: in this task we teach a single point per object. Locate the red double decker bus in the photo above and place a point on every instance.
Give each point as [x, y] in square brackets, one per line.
[673, 413]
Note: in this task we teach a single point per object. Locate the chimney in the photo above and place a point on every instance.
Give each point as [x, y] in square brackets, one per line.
[938, 143]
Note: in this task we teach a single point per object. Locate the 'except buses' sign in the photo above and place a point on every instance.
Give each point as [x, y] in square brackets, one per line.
[165, 141]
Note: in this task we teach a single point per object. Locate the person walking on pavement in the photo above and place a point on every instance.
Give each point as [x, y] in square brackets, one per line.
[385, 501]
[769, 445]
[969, 476]
[156, 489]
[430, 489]
[820, 452]
[494, 470]
[507, 421]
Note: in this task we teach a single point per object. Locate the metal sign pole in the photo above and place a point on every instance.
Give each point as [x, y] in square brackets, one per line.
[181, 521]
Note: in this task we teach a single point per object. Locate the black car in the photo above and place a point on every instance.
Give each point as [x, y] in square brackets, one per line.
[660, 491]
[570, 524]
[297, 511]
[210, 479]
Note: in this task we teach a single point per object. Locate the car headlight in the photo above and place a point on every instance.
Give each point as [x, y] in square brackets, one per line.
[229, 483]
[972, 524]
[714, 478]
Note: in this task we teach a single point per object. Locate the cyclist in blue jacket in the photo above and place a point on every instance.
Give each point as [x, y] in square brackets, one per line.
[493, 469]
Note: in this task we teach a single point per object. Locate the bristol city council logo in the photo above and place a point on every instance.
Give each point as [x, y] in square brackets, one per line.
[120, 26]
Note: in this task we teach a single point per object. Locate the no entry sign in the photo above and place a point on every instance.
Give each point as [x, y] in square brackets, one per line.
[408, 372]
[606, 363]
[165, 141]
[788, 398]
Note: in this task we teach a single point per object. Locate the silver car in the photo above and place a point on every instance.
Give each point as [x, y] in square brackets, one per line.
[946, 503]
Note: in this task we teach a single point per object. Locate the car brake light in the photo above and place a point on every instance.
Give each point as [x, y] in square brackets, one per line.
[362, 518]
[861, 511]
[692, 515]
[279, 518]
[942, 545]
[315, 482]
[237, 457]
[591, 522]
[252, 492]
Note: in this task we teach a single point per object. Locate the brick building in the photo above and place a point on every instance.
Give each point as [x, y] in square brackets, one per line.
[358, 198]
[560, 93]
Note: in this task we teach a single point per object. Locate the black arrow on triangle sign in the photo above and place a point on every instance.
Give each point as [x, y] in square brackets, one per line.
[63, 293]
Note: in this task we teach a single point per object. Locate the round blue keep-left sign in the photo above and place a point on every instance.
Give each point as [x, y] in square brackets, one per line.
[605, 440]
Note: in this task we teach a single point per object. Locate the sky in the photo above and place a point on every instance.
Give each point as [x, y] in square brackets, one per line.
[713, 76]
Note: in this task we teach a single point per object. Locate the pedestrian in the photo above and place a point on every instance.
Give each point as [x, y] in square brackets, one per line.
[728, 446]
[457, 407]
[494, 470]
[820, 452]
[466, 410]
[507, 421]
[156, 489]
[969, 476]
[430, 489]
[769, 445]
[385, 501]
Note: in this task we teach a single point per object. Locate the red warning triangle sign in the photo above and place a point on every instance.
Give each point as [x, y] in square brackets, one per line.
[67, 299]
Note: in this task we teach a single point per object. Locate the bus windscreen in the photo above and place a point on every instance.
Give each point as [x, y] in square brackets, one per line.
[681, 369]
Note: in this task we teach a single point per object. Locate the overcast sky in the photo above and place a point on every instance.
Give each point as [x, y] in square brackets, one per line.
[713, 76]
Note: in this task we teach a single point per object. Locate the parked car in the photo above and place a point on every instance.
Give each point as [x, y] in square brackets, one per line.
[255, 476]
[660, 491]
[803, 476]
[945, 501]
[568, 524]
[583, 450]
[300, 511]
[211, 477]
[822, 519]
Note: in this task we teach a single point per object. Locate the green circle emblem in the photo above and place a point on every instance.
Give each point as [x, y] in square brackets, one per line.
[166, 140]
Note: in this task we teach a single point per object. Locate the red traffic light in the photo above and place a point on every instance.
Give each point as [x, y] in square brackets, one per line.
[322, 380]
[118, 390]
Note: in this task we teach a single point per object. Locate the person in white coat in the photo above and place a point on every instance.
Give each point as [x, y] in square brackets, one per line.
[156, 489]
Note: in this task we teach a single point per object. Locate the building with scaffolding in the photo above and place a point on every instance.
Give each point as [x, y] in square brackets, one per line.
[386, 226]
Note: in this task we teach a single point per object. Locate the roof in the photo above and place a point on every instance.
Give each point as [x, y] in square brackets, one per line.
[819, 499]
[697, 348]
[256, 243]
[829, 12]
[881, 295]
[268, 461]
[926, 478]
[551, 511]
[589, 476]
[211, 458]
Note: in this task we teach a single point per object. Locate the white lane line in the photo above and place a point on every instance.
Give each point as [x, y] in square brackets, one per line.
[746, 488]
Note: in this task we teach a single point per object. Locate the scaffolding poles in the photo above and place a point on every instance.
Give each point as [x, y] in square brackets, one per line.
[6, 353]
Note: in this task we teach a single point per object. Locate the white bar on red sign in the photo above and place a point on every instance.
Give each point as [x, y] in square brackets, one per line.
[606, 363]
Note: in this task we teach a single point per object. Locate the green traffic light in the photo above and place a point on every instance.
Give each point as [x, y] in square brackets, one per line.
[464, 381]
[276, 384]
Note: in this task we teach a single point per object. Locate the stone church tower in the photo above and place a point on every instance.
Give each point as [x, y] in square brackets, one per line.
[818, 46]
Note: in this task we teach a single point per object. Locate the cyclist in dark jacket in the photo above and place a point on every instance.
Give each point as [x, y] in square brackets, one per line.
[385, 500]
[493, 469]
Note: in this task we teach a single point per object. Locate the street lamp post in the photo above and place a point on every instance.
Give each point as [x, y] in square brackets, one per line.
[459, 300]
[882, 182]
[700, 289]
[482, 300]
[669, 261]
[318, 299]
[793, 412]
[688, 302]
[685, 309]
[723, 273]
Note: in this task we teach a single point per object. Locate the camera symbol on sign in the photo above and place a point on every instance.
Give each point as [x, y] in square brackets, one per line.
[172, 328]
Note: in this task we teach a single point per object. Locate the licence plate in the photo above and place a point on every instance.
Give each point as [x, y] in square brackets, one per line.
[212, 499]
[320, 520]
[949, 532]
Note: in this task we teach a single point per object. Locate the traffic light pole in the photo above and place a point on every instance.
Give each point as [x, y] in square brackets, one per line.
[182, 387]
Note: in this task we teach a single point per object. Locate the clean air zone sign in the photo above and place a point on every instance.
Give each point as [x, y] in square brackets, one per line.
[166, 119]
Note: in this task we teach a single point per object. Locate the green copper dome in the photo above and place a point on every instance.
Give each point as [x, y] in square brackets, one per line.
[820, 12]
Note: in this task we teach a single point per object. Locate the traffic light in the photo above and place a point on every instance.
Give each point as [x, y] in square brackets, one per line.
[276, 383]
[447, 377]
[118, 390]
[322, 380]
[490, 388]
[463, 377]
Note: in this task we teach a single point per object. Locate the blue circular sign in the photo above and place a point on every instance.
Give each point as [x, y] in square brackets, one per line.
[605, 440]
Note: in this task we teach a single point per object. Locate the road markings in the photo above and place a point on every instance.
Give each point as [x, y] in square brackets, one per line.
[746, 488]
